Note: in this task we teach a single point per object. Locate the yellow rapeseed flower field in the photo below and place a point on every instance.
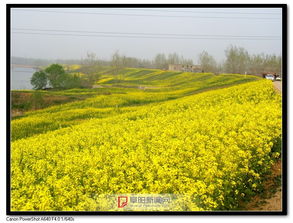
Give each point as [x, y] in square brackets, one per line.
[212, 148]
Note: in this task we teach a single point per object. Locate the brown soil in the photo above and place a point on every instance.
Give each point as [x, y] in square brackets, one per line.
[271, 199]
[16, 112]
[278, 86]
[23, 102]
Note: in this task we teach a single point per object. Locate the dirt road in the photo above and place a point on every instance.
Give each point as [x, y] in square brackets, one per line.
[278, 85]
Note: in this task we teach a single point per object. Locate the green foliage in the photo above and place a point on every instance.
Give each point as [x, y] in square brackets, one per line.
[56, 75]
[72, 81]
[60, 79]
[39, 80]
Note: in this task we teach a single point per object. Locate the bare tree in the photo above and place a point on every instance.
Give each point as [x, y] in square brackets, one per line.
[207, 62]
[91, 58]
[173, 58]
[115, 62]
[237, 60]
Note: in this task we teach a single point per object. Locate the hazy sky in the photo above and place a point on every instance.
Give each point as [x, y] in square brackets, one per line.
[134, 32]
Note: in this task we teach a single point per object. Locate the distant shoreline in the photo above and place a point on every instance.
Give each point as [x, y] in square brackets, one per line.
[24, 66]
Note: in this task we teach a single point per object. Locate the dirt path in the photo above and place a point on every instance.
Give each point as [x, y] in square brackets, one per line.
[271, 199]
[278, 85]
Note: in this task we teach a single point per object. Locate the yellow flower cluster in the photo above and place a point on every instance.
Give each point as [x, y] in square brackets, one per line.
[109, 101]
[211, 148]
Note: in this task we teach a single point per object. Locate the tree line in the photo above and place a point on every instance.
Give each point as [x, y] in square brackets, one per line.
[237, 60]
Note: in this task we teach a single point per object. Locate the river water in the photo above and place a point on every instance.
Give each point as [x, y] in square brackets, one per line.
[21, 77]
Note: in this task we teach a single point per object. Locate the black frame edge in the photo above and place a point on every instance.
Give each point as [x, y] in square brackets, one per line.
[72, 213]
[284, 110]
[8, 146]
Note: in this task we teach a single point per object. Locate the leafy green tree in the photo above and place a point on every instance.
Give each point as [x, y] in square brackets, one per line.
[56, 75]
[39, 80]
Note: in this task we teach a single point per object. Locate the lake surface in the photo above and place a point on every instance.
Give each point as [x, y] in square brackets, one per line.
[21, 77]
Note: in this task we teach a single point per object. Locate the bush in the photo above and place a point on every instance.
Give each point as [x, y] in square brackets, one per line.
[72, 81]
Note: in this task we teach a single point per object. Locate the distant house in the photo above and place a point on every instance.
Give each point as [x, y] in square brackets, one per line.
[186, 68]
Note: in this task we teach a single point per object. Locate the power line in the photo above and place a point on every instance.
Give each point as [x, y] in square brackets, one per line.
[145, 37]
[202, 12]
[135, 33]
[146, 15]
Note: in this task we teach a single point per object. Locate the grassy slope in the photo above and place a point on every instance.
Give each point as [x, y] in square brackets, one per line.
[121, 93]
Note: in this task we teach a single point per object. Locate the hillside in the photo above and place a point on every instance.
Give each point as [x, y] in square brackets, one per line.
[116, 94]
[207, 140]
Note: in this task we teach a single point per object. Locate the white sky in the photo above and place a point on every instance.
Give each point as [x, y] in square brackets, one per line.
[195, 21]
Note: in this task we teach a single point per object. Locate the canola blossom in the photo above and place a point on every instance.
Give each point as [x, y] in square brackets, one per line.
[111, 100]
[211, 149]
